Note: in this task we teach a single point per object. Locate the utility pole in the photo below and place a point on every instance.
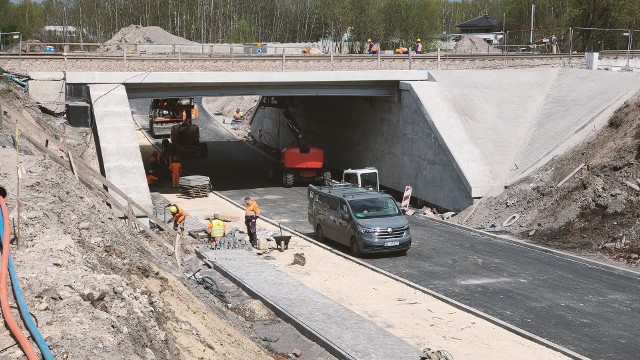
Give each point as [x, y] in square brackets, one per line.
[202, 24]
[533, 11]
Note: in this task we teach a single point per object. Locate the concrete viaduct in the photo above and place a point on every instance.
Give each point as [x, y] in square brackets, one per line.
[454, 136]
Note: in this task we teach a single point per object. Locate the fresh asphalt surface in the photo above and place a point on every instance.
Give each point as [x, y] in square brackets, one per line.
[588, 309]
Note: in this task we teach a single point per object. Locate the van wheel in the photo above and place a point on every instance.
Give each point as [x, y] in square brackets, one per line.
[320, 233]
[355, 248]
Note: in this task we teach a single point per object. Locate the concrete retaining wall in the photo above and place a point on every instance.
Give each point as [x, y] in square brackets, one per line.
[395, 137]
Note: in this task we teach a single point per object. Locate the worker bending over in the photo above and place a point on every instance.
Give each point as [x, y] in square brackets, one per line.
[178, 216]
[151, 178]
[237, 115]
[251, 214]
[216, 230]
[373, 47]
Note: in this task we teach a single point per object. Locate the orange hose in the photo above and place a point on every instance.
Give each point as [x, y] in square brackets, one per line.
[4, 299]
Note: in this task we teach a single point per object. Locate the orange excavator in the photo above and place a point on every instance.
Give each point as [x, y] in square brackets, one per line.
[174, 117]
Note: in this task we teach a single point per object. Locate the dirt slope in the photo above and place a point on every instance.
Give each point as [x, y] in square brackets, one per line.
[594, 212]
[98, 291]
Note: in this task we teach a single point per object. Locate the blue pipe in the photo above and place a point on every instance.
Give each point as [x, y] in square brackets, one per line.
[24, 311]
[21, 83]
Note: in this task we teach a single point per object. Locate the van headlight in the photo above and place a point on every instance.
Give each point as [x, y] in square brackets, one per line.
[365, 230]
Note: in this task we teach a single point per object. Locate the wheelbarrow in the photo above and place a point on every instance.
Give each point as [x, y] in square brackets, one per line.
[282, 241]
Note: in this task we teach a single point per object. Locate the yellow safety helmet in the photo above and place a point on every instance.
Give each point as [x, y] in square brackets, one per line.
[418, 40]
[173, 209]
[368, 40]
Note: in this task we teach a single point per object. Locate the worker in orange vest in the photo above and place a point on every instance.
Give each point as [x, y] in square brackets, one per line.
[151, 178]
[178, 216]
[251, 214]
[175, 168]
[154, 162]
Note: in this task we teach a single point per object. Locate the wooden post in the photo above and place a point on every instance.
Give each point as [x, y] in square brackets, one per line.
[283, 60]
[231, 50]
[409, 59]
[129, 213]
[176, 249]
[379, 51]
[17, 223]
[71, 163]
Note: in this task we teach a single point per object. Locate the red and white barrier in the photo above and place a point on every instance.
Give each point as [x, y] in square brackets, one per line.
[406, 197]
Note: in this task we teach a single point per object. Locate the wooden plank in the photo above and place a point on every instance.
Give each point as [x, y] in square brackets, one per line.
[73, 167]
[570, 175]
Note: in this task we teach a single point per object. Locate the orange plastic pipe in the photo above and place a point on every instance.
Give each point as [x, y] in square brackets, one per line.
[26, 346]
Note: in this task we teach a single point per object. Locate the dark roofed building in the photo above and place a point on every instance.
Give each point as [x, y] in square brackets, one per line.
[481, 24]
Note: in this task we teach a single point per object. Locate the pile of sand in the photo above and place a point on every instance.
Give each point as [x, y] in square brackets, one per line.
[136, 34]
[471, 44]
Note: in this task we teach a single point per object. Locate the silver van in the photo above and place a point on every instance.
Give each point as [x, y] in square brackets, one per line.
[366, 220]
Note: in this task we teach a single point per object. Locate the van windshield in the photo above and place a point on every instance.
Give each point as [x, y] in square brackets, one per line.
[374, 208]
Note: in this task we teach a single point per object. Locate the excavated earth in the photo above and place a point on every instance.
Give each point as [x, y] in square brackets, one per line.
[594, 212]
[97, 289]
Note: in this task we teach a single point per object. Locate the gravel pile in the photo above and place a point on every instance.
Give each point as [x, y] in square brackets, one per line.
[136, 34]
[471, 44]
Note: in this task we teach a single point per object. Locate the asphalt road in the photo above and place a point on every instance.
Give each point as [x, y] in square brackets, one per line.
[588, 309]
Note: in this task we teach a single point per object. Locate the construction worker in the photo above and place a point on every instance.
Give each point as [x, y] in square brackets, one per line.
[178, 216]
[237, 115]
[251, 214]
[175, 167]
[373, 47]
[151, 178]
[401, 50]
[418, 46]
[216, 230]
[155, 162]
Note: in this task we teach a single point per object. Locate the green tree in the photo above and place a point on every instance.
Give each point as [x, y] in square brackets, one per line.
[242, 32]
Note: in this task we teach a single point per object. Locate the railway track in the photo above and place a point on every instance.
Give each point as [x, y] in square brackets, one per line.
[279, 57]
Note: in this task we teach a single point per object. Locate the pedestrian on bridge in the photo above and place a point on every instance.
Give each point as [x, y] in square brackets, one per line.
[418, 46]
[251, 214]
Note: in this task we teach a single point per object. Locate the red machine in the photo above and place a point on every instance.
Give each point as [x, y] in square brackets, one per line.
[303, 163]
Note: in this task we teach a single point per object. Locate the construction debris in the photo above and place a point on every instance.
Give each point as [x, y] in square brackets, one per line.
[298, 259]
[632, 185]
[510, 220]
[195, 186]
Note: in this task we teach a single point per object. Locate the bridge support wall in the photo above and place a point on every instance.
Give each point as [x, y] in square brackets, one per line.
[394, 136]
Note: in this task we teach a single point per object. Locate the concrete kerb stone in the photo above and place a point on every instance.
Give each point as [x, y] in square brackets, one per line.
[305, 330]
[514, 329]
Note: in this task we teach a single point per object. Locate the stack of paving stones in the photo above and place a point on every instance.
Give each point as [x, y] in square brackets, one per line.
[195, 186]
[233, 239]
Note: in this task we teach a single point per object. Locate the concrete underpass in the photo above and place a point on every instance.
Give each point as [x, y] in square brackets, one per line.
[454, 136]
